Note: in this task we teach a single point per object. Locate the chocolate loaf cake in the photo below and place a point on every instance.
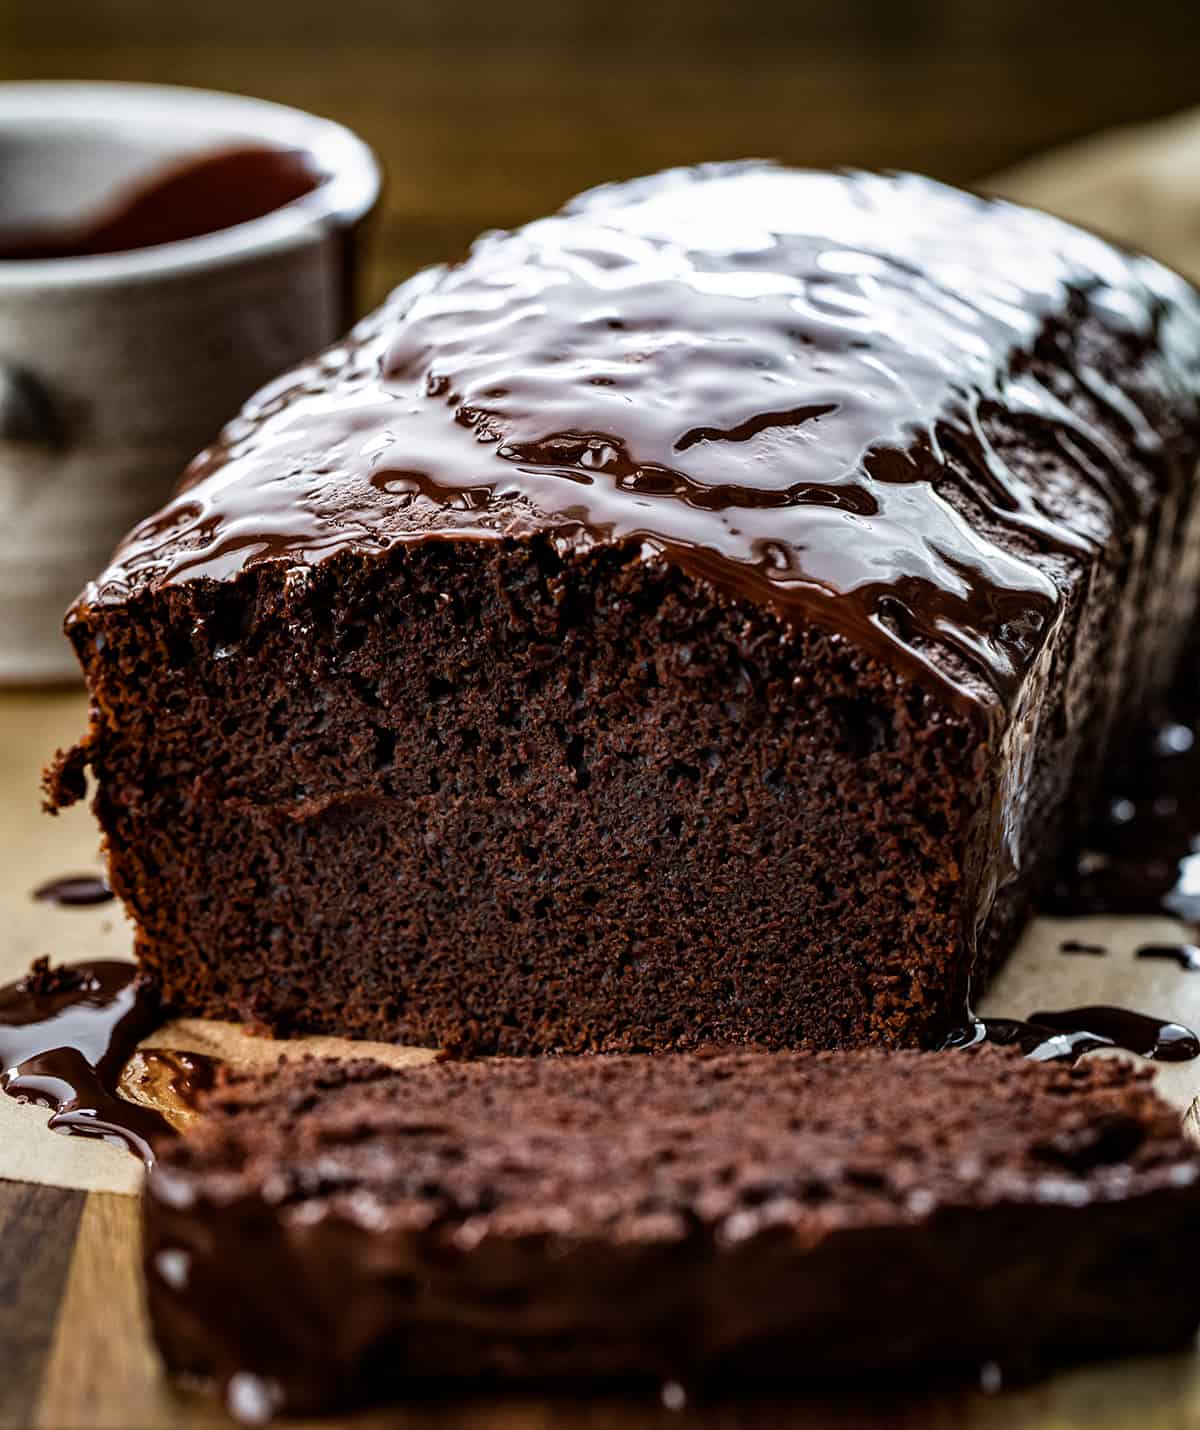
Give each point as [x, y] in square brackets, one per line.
[331, 1233]
[698, 616]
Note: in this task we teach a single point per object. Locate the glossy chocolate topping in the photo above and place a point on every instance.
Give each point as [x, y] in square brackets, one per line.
[1066, 1035]
[194, 197]
[172, 1081]
[74, 891]
[65, 1035]
[784, 381]
[1186, 955]
[1141, 855]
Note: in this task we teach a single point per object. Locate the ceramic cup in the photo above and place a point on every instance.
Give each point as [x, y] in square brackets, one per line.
[115, 369]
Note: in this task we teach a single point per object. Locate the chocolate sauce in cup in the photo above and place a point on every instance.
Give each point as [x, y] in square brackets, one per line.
[185, 199]
[164, 253]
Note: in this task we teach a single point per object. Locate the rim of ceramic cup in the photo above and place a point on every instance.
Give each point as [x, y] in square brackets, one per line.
[346, 195]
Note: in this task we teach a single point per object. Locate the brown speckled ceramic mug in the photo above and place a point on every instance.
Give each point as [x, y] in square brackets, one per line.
[116, 367]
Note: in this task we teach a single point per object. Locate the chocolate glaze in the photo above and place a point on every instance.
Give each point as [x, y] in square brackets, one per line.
[1142, 854]
[1186, 955]
[65, 1035]
[174, 1079]
[783, 381]
[73, 891]
[193, 197]
[1066, 1035]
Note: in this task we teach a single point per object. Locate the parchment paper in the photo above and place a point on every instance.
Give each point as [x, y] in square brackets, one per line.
[1141, 186]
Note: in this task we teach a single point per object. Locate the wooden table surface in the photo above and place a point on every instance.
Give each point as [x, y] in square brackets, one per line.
[485, 115]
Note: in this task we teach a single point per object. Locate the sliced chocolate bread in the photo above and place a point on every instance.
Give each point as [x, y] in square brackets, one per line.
[335, 1233]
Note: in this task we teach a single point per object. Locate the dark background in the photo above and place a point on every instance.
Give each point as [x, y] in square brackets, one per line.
[489, 113]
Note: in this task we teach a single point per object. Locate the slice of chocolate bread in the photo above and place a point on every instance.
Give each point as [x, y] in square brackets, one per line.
[699, 616]
[332, 1233]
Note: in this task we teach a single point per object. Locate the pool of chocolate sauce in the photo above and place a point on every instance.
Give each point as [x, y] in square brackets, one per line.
[66, 1033]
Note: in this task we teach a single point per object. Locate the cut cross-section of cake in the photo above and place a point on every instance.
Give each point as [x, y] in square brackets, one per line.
[698, 616]
[334, 1233]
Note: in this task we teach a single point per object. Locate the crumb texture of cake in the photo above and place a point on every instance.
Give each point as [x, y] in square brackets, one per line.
[699, 616]
[331, 1234]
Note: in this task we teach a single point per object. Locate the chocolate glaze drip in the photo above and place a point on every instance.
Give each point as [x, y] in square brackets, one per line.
[786, 382]
[1142, 854]
[73, 891]
[194, 197]
[1186, 955]
[1066, 1035]
[65, 1035]
[175, 1078]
